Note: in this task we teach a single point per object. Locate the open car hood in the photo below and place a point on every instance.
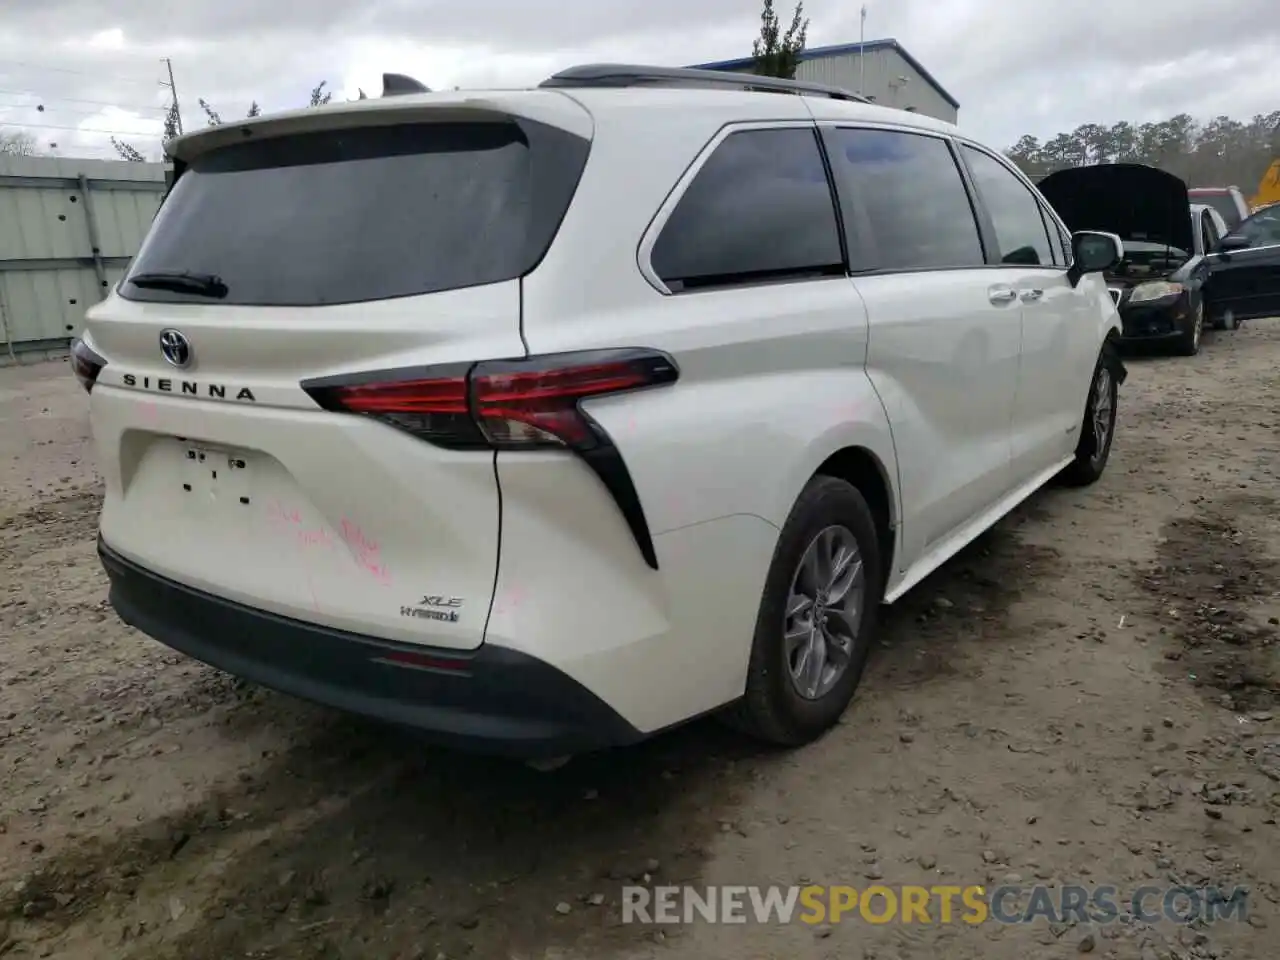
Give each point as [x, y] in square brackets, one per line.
[1136, 202]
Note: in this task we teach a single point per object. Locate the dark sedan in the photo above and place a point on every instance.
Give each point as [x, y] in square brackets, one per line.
[1170, 310]
[1158, 284]
[1244, 271]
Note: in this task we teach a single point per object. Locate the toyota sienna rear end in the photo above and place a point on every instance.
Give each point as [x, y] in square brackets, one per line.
[298, 489]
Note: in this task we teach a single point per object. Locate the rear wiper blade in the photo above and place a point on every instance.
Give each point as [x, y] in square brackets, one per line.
[201, 284]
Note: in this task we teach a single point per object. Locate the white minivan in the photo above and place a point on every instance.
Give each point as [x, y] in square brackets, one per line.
[540, 421]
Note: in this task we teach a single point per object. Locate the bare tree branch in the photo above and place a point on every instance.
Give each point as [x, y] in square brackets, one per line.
[128, 152]
[20, 143]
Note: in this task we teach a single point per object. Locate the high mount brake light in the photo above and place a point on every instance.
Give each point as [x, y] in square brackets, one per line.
[85, 364]
[520, 404]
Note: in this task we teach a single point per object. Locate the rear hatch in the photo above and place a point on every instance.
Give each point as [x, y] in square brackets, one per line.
[319, 245]
[1222, 200]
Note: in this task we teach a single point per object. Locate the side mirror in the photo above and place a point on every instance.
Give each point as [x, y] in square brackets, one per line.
[1095, 252]
[1233, 241]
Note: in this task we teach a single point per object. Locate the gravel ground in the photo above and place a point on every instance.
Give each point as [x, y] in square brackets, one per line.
[1086, 695]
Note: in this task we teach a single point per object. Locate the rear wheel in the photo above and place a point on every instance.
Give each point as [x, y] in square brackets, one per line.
[1189, 343]
[817, 617]
[1099, 427]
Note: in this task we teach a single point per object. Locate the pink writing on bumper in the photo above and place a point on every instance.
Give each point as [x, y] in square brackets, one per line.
[509, 599]
[367, 552]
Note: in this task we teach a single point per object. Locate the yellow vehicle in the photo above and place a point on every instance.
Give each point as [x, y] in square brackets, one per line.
[1269, 188]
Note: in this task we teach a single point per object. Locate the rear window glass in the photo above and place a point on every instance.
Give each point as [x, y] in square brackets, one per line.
[363, 214]
[1222, 202]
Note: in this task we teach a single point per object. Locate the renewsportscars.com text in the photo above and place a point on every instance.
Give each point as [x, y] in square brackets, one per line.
[945, 904]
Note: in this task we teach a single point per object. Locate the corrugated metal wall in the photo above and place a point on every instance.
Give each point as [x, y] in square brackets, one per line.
[884, 72]
[883, 80]
[68, 229]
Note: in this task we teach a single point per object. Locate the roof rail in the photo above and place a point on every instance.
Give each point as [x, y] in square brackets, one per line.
[398, 84]
[634, 75]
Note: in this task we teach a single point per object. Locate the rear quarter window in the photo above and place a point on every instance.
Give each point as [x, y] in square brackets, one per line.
[364, 214]
[760, 209]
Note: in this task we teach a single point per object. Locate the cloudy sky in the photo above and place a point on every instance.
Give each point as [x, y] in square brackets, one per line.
[74, 72]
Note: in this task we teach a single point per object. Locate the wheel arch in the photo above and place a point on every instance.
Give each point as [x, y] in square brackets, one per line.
[1111, 353]
[862, 469]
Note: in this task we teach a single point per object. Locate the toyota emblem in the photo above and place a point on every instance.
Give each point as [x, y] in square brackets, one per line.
[176, 348]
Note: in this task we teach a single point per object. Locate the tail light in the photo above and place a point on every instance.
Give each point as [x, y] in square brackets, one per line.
[522, 404]
[85, 364]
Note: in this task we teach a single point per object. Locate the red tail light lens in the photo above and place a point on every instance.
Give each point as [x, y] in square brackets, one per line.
[536, 402]
[504, 404]
[432, 404]
[519, 404]
[85, 364]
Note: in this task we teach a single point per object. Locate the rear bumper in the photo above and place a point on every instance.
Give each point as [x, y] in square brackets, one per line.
[490, 700]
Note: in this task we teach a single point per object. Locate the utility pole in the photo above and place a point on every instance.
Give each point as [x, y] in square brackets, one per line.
[173, 88]
[862, 51]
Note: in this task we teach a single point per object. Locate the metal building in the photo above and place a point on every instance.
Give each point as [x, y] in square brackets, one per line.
[881, 70]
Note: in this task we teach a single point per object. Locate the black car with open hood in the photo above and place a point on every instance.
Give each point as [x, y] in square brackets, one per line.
[1158, 285]
[1136, 202]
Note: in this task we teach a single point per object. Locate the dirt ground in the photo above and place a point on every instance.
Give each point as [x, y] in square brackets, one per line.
[1087, 695]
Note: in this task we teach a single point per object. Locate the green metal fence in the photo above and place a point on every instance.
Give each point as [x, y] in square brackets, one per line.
[68, 229]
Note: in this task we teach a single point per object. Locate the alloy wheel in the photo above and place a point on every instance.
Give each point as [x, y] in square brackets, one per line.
[824, 610]
[1102, 407]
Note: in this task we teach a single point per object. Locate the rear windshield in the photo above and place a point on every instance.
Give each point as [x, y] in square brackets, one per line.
[1224, 203]
[361, 214]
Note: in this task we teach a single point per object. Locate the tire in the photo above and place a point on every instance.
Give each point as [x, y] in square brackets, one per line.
[774, 708]
[1229, 321]
[1104, 392]
[1189, 342]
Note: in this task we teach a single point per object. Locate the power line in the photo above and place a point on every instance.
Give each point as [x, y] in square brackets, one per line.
[9, 110]
[99, 103]
[80, 73]
[55, 126]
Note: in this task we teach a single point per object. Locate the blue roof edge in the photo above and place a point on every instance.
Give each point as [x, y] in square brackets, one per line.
[836, 50]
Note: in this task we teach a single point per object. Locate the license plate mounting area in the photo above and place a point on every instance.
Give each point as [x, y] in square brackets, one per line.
[216, 473]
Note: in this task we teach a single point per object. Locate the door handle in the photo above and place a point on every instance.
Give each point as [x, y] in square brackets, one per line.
[1002, 294]
[1029, 295]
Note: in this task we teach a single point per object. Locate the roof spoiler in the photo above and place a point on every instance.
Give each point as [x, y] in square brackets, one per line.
[398, 84]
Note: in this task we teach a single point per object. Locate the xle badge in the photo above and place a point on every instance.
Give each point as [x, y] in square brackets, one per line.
[428, 609]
